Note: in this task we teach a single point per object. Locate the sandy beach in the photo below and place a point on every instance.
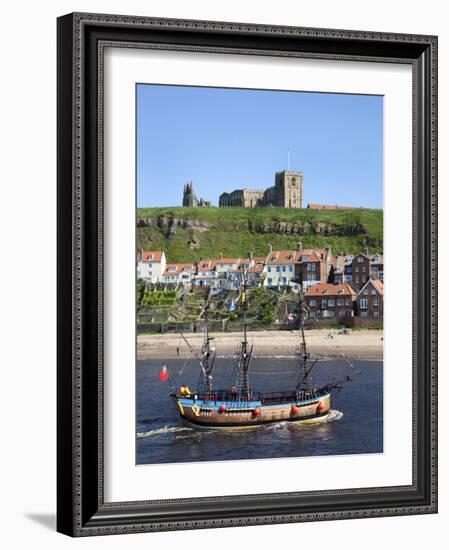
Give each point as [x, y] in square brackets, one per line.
[363, 344]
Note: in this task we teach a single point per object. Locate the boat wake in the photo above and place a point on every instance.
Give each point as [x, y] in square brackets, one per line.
[332, 417]
[164, 430]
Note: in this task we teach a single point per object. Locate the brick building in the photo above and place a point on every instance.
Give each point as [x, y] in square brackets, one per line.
[330, 301]
[370, 299]
[313, 266]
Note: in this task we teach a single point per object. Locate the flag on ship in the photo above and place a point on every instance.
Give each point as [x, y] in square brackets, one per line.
[163, 374]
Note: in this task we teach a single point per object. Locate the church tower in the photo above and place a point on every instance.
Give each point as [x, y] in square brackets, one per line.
[189, 198]
[288, 189]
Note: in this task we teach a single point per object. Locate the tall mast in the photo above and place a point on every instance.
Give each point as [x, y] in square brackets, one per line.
[245, 354]
[208, 357]
[303, 355]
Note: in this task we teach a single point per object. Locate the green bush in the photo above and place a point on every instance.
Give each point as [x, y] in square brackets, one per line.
[159, 298]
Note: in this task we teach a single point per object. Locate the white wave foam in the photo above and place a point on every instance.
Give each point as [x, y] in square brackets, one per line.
[164, 430]
[334, 415]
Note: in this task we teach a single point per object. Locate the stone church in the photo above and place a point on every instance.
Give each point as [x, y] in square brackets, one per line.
[286, 193]
[190, 199]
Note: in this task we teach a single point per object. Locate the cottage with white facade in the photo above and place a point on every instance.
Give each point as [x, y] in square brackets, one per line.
[151, 265]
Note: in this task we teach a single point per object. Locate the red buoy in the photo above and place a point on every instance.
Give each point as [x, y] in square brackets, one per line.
[256, 412]
[222, 409]
[294, 409]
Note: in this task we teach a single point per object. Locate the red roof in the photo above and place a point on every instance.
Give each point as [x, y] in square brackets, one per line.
[327, 289]
[206, 265]
[376, 283]
[318, 254]
[256, 268]
[227, 261]
[313, 257]
[278, 257]
[151, 255]
[176, 269]
[331, 207]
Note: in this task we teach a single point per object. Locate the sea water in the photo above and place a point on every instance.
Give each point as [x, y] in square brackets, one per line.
[354, 425]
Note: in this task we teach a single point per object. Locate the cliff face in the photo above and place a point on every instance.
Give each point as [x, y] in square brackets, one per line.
[187, 234]
[167, 223]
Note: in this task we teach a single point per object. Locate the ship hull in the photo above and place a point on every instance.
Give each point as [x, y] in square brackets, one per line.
[205, 414]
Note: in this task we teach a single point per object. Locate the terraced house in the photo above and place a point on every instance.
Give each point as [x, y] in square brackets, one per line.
[370, 299]
[313, 266]
[330, 301]
[280, 269]
[365, 267]
[151, 265]
[179, 273]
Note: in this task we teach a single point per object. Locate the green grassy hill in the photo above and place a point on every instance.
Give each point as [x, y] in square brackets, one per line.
[186, 234]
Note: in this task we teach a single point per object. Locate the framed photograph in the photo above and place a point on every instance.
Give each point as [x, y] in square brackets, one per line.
[233, 201]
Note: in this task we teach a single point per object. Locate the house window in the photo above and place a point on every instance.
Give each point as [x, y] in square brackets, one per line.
[331, 302]
[364, 279]
[366, 292]
[342, 313]
[310, 267]
[323, 304]
[376, 301]
[284, 269]
[373, 292]
[290, 268]
[310, 276]
[312, 303]
[357, 279]
[270, 281]
[363, 269]
[356, 269]
[360, 259]
[269, 269]
[278, 268]
[348, 301]
[340, 302]
[284, 280]
[150, 265]
[363, 303]
[376, 314]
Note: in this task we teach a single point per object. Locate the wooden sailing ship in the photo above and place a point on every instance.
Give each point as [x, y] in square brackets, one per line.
[239, 407]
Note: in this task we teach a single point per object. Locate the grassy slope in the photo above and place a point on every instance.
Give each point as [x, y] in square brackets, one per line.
[231, 236]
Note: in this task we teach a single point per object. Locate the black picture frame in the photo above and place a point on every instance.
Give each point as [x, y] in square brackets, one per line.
[81, 509]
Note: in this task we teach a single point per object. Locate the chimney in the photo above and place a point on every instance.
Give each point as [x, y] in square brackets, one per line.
[366, 251]
[250, 256]
[299, 247]
[270, 248]
[221, 255]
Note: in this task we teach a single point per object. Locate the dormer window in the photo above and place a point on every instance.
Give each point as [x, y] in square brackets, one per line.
[341, 291]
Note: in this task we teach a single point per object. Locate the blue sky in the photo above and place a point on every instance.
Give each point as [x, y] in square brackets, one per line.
[224, 139]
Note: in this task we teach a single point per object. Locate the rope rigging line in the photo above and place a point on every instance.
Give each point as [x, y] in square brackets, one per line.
[337, 347]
